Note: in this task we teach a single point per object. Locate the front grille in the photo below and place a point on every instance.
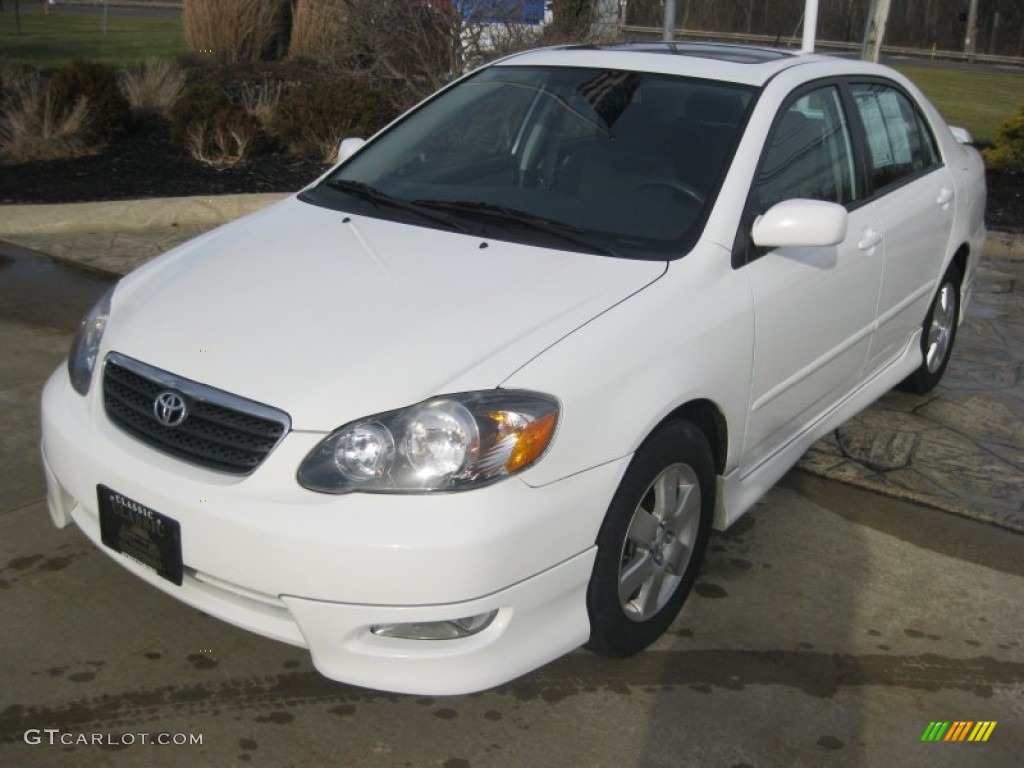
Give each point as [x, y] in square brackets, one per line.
[221, 431]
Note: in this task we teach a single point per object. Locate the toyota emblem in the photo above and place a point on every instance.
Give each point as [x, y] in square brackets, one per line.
[170, 408]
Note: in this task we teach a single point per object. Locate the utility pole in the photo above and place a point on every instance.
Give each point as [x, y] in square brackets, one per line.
[668, 22]
[971, 39]
[874, 32]
[810, 25]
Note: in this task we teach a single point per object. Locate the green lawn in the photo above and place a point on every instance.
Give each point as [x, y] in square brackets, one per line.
[977, 101]
[51, 41]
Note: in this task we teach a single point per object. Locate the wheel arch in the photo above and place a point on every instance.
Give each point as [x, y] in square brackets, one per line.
[709, 419]
[960, 261]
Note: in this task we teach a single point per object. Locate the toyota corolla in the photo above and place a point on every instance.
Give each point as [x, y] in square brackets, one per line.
[478, 395]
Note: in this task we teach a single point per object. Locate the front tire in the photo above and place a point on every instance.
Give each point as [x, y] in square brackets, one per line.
[937, 335]
[652, 540]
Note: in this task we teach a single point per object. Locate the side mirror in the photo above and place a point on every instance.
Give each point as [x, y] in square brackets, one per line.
[962, 135]
[349, 147]
[802, 223]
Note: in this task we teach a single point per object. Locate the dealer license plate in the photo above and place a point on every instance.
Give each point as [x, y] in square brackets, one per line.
[142, 533]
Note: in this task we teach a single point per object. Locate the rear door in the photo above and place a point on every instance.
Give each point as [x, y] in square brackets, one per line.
[913, 193]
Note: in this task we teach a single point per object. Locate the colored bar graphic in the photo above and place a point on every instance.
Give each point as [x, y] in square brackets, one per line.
[958, 730]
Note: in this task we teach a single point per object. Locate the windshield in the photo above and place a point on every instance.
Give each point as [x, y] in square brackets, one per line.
[606, 161]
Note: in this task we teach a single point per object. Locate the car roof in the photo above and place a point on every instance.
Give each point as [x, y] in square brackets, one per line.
[713, 61]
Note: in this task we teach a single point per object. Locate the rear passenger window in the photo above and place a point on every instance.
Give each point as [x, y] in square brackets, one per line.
[899, 143]
[809, 153]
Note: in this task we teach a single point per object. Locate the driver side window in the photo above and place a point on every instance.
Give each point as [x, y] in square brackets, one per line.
[809, 154]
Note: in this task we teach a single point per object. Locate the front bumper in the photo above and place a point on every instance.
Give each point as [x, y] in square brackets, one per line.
[317, 571]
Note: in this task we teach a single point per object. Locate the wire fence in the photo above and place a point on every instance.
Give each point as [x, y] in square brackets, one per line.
[643, 32]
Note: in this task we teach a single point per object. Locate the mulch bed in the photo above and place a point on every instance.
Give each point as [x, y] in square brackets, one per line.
[144, 163]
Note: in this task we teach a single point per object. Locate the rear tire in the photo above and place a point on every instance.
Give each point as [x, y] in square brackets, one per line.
[652, 540]
[937, 335]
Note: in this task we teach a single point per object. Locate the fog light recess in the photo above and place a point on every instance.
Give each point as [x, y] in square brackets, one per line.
[451, 629]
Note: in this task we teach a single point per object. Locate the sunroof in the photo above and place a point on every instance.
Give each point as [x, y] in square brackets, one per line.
[733, 53]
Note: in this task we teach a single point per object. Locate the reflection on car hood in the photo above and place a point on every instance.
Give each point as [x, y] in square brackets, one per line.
[333, 320]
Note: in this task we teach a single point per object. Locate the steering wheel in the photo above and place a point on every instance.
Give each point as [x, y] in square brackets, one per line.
[674, 184]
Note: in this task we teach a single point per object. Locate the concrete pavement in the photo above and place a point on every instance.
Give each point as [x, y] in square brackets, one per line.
[960, 449]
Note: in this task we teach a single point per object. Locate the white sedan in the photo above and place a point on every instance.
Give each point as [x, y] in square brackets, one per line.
[478, 395]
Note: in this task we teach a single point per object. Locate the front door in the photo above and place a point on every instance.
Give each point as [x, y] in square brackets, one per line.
[814, 308]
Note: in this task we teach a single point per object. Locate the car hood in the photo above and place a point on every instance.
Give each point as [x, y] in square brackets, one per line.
[332, 317]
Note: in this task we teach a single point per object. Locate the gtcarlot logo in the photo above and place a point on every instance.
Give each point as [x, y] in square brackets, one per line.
[57, 737]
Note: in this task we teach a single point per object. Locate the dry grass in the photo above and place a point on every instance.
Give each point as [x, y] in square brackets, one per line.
[219, 145]
[154, 88]
[234, 31]
[329, 149]
[261, 100]
[317, 29]
[33, 127]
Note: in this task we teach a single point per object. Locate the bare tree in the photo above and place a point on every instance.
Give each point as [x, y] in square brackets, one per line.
[420, 45]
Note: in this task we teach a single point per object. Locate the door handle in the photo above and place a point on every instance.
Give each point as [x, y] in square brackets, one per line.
[945, 195]
[869, 238]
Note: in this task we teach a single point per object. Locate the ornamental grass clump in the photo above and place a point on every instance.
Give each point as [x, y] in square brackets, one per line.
[34, 125]
[211, 128]
[154, 88]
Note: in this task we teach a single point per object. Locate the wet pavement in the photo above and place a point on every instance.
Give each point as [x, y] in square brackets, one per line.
[69, 289]
[961, 447]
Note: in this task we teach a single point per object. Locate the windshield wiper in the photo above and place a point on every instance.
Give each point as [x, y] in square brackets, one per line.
[500, 213]
[379, 198]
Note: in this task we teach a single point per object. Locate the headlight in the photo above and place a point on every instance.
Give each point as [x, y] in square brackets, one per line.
[86, 344]
[449, 443]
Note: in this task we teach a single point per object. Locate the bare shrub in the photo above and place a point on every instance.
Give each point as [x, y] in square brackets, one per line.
[261, 100]
[36, 126]
[233, 31]
[109, 111]
[421, 46]
[313, 118]
[154, 88]
[223, 140]
[573, 22]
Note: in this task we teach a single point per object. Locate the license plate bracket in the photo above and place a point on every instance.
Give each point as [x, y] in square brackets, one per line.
[143, 534]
